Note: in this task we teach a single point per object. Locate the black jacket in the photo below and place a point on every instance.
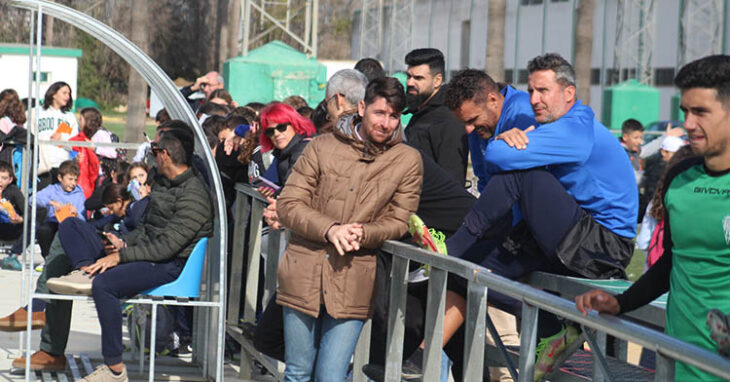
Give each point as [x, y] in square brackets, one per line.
[16, 137]
[435, 131]
[444, 203]
[653, 169]
[194, 103]
[286, 158]
[13, 194]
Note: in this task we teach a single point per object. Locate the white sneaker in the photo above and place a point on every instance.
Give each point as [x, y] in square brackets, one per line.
[77, 282]
[104, 374]
[417, 276]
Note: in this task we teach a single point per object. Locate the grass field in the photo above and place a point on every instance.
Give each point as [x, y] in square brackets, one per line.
[118, 129]
[636, 266]
[115, 122]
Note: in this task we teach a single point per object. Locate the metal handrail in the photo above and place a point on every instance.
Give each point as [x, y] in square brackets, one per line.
[115, 145]
[668, 348]
[661, 343]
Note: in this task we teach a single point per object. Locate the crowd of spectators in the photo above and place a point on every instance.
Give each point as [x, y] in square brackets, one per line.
[555, 192]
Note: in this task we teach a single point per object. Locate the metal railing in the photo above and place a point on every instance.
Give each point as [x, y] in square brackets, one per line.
[480, 282]
[248, 215]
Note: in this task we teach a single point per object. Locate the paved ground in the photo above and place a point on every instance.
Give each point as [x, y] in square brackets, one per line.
[84, 344]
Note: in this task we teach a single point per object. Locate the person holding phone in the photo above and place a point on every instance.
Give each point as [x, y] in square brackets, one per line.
[287, 133]
[84, 242]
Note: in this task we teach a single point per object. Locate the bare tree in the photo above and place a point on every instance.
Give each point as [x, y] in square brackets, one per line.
[584, 48]
[212, 35]
[137, 92]
[234, 19]
[224, 28]
[48, 36]
[495, 38]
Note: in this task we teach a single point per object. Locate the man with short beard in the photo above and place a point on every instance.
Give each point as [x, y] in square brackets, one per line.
[487, 111]
[433, 129]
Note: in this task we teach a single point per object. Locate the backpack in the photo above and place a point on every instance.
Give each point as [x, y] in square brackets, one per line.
[656, 244]
[121, 153]
[166, 339]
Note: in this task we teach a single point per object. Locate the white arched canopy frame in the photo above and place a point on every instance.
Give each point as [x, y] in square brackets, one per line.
[178, 108]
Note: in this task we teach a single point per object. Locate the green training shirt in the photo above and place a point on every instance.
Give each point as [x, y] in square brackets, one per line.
[698, 206]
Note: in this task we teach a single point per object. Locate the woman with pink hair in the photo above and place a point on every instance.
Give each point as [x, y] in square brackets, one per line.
[287, 133]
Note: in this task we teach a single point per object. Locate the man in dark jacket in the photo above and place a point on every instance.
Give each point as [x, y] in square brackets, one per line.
[178, 216]
[433, 129]
[207, 84]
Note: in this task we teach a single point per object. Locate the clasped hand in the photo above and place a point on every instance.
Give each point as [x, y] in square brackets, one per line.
[345, 237]
[270, 215]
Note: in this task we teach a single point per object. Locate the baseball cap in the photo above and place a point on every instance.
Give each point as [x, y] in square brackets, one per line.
[672, 144]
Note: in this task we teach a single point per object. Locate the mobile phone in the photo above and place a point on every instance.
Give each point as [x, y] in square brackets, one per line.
[260, 181]
[102, 235]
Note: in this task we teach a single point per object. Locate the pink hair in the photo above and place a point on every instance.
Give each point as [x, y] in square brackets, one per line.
[277, 113]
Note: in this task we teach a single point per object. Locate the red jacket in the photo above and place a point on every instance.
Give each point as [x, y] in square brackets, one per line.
[88, 163]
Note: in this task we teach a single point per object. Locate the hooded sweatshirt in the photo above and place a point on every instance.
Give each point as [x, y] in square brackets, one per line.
[54, 192]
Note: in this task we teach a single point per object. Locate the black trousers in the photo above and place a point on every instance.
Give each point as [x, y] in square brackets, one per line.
[44, 236]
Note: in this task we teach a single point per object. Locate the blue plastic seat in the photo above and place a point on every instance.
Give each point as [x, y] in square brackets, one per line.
[18, 165]
[188, 283]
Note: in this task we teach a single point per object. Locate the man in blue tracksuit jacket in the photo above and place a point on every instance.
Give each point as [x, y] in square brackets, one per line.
[570, 179]
[515, 112]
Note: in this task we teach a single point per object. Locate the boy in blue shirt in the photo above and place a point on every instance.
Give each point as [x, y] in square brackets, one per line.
[64, 198]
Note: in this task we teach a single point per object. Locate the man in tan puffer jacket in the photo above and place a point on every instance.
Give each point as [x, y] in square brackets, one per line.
[348, 193]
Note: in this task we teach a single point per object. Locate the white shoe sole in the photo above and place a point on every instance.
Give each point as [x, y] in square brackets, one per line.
[59, 286]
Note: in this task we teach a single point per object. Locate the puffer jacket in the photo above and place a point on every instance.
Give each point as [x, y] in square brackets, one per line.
[339, 180]
[178, 215]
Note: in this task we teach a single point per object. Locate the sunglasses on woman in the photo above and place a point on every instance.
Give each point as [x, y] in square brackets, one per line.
[281, 127]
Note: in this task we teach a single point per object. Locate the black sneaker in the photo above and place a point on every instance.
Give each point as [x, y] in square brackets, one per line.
[409, 373]
[374, 372]
[186, 345]
[248, 330]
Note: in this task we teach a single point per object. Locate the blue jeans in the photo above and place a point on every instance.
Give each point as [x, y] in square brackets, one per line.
[445, 366]
[318, 346]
